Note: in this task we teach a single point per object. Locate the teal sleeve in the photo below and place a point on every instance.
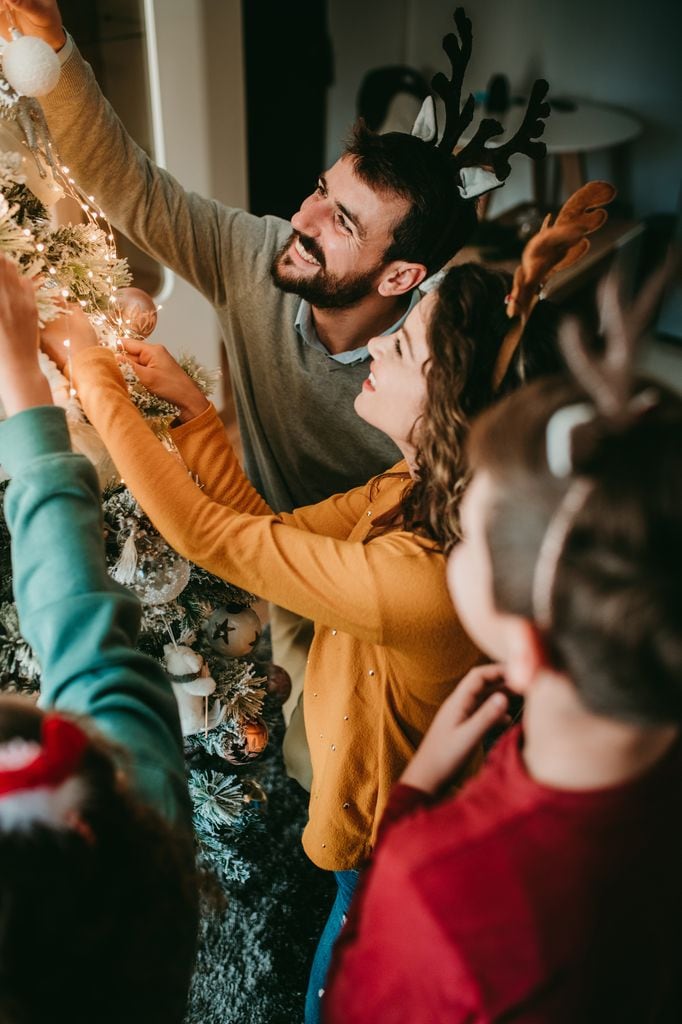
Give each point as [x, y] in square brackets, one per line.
[81, 624]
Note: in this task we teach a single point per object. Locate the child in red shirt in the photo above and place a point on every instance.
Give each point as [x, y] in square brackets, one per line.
[549, 890]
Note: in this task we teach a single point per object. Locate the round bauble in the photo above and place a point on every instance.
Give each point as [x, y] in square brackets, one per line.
[161, 574]
[30, 65]
[248, 744]
[137, 310]
[278, 683]
[233, 631]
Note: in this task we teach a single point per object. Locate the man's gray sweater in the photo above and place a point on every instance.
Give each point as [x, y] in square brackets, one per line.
[302, 438]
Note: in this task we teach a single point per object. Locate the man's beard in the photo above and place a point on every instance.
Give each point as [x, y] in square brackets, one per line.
[324, 290]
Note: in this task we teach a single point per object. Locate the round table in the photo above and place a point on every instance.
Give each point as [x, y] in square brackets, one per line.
[569, 135]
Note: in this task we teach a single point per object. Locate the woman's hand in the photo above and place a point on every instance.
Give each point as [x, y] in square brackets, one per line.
[476, 705]
[73, 327]
[34, 18]
[22, 385]
[161, 374]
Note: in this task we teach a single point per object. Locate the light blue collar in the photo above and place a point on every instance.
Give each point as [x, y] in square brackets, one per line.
[306, 329]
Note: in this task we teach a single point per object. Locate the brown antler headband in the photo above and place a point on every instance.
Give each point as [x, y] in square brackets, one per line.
[608, 379]
[555, 247]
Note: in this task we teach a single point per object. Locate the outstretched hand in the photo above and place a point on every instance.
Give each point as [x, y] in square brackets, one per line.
[477, 704]
[161, 373]
[22, 385]
[33, 18]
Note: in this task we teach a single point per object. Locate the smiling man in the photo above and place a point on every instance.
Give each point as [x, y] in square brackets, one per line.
[296, 307]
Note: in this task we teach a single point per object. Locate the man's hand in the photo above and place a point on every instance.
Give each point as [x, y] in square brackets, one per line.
[22, 385]
[73, 327]
[34, 18]
[161, 374]
[476, 706]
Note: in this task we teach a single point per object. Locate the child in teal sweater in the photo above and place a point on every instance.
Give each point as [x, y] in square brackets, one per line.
[97, 886]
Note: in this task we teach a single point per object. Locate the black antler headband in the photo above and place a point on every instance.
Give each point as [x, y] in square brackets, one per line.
[458, 118]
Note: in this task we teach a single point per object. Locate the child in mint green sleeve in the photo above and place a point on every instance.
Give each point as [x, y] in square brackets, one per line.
[97, 884]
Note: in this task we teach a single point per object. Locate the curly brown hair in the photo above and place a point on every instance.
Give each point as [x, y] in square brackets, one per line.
[465, 332]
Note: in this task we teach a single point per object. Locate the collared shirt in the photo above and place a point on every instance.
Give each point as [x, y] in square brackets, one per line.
[306, 329]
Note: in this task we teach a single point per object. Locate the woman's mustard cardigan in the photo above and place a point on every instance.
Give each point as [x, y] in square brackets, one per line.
[388, 647]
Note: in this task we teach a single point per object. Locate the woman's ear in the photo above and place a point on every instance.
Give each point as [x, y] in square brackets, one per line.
[526, 655]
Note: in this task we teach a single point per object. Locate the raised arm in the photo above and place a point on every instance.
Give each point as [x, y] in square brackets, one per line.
[340, 583]
[81, 624]
[206, 243]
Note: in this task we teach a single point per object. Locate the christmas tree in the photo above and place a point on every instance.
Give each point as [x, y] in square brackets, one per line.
[202, 628]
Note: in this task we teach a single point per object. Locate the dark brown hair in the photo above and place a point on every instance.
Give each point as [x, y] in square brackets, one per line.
[617, 597]
[465, 331]
[95, 931]
[439, 221]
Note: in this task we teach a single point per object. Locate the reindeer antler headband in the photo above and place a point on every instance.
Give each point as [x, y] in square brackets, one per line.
[475, 154]
[608, 378]
[556, 246]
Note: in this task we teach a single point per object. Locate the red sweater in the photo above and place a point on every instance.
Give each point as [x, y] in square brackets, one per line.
[517, 902]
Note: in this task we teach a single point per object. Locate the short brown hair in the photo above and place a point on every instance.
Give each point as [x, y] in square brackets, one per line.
[439, 221]
[616, 624]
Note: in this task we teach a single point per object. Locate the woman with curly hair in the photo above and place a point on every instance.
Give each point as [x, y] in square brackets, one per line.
[366, 566]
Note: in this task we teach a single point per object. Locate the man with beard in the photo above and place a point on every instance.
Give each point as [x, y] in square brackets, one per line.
[297, 307]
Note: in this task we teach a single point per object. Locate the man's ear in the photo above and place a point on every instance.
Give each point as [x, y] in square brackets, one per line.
[526, 656]
[399, 278]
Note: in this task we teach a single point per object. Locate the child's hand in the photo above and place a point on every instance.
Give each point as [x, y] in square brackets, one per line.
[22, 385]
[72, 326]
[476, 705]
[161, 374]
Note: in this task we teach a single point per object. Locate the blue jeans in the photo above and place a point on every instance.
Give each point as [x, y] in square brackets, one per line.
[346, 882]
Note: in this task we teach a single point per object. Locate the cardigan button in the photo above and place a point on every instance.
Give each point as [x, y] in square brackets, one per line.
[346, 806]
[334, 632]
[369, 512]
[371, 672]
[346, 717]
[333, 746]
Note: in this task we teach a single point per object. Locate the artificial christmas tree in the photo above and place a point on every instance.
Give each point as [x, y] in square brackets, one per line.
[199, 626]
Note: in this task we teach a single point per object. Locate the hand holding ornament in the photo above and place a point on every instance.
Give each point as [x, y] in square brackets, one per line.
[161, 374]
[39, 18]
[22, 385]
[73, 327]
[477, 705]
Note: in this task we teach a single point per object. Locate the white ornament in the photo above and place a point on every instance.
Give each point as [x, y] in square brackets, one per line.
[192, 686]
[234, 633]
[30, 65]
